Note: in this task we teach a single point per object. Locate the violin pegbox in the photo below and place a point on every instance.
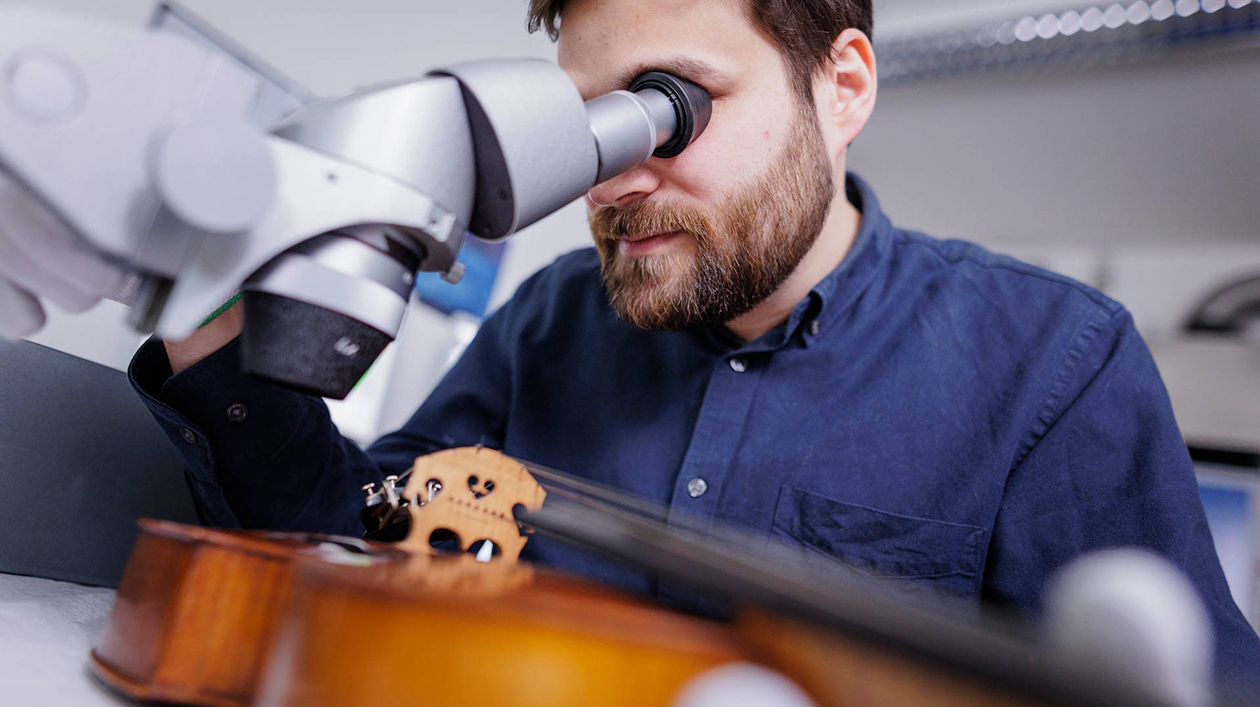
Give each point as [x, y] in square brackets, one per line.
[469, 493]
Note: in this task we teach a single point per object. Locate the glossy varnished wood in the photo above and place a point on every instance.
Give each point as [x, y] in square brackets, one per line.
[195, 614]
[229, 619]
[553, 642]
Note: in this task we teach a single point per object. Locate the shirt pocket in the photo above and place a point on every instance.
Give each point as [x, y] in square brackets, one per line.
[941, 555]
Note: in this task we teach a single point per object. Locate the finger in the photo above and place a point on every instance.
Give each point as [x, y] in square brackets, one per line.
[45, 239]
[23, 271]
[83, 268]
[33, 247]
[20, 313]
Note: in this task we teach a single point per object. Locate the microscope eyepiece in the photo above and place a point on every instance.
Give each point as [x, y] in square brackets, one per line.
[659, 116]
[692, 108]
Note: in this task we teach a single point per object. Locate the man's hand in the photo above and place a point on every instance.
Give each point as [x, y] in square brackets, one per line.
[43, 258]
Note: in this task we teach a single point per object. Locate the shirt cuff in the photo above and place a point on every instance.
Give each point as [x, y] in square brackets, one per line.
[224, 424]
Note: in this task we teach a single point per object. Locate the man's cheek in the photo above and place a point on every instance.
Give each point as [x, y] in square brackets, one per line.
[698, 164]
[716, 169]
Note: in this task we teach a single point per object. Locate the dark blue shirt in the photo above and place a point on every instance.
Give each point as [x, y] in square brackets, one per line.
[930, 412]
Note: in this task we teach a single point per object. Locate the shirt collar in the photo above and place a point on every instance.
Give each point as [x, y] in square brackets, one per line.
[828, 300]
[836, 293]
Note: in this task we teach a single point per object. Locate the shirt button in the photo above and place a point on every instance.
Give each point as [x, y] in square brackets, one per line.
[737, 365]
[696, 487]
[188, 435]
[815, 327]
[236, 412]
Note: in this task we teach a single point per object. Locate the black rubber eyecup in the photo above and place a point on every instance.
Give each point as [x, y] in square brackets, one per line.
[692, 107]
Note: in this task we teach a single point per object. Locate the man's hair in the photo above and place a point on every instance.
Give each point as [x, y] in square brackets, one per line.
[803, 30]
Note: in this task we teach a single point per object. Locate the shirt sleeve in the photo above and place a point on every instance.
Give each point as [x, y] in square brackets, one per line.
[261, 456]
[1106, 466]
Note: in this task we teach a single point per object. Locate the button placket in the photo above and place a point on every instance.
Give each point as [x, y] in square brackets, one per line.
[711, 456]
[721, 418]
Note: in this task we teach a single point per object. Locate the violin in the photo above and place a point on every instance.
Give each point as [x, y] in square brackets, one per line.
[229, 619]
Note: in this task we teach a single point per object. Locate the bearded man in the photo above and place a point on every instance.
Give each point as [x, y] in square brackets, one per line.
[753, 342]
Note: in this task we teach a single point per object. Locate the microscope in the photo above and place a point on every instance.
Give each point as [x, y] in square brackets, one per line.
[141, 141]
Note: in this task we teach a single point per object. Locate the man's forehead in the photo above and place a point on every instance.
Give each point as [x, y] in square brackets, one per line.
[606, 43]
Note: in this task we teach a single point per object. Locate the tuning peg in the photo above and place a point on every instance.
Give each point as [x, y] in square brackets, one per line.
[373, 497]
[391, 493]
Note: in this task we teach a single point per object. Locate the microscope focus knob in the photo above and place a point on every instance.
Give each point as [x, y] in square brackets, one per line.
[216, 174]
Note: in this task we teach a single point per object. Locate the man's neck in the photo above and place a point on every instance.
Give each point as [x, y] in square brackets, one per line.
[837, 236]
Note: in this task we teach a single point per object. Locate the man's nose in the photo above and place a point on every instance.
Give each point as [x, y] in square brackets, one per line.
[625, 189]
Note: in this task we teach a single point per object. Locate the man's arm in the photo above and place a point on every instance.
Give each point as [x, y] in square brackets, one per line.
[261, 456]
[1107, 467]
[211, 337]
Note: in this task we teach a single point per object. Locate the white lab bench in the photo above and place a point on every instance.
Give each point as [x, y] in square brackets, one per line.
[47, 629]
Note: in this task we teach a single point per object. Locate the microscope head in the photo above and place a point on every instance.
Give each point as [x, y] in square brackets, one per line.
[496, 146]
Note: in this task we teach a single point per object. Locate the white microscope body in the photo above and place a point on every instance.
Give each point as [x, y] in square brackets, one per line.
[140, 140]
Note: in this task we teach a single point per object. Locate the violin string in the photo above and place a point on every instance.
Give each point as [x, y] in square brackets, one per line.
[608, 499]
[554, 480]
[584, 490]
[942, 630]
[747, 566]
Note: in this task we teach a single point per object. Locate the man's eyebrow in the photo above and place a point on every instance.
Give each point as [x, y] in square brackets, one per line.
[696, 70]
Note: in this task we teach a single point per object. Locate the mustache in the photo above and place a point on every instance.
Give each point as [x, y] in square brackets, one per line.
[642, 218]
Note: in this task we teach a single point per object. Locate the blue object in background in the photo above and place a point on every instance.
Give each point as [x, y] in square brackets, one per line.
[472, 294]
[1230, 516]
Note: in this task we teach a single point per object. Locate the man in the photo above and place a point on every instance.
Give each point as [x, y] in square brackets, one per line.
[753, 342]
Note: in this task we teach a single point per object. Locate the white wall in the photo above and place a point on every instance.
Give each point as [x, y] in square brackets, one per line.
[1140, 179]
[1165, 151]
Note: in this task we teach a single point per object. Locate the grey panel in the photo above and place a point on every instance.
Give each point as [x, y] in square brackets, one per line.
[278, 95]
[80, 460]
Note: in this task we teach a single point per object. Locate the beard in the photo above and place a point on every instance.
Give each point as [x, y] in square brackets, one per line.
[744, 249]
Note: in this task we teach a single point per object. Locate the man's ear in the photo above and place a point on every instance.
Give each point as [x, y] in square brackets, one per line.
[845, 87]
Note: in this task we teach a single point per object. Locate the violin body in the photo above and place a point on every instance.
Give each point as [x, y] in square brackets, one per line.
[196, 611]
[548, 641]
[231, 619]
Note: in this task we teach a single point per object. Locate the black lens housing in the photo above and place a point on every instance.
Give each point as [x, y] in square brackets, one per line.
[305, 347]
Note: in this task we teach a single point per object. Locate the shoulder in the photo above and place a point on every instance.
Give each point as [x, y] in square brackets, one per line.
[972, 263]
[980, 285]
[557, 296]
[570, 272]
[1023, 331]
[572, 277]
